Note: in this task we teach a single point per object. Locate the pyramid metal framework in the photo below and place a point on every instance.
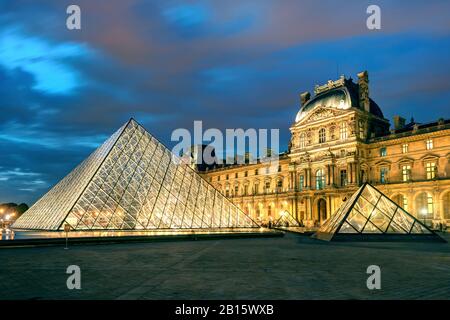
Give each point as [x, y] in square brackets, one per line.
[133, 182]
[286, 220]
[369, 214]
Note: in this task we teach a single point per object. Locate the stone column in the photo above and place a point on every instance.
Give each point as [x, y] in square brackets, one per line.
[328, 206]
[291, 180]
[349, 173]
[295, 207]
[307, 178]
[328, 175]
[308, 208]
[332, 173]
[357, 173]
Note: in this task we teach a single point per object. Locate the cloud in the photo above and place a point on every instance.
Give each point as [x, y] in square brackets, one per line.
[45, 61]
[186, 16]
[238, 64]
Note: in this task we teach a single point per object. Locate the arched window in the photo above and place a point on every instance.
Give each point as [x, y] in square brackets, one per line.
[322, 135]
[320, 179]
[302, 141]
[343, 131]
[424, 207]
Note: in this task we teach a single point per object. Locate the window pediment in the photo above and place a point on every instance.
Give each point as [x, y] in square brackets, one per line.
[429, 156]
[383, 163]
[405, 161]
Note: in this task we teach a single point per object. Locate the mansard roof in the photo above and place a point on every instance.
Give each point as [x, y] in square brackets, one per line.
[340, 94]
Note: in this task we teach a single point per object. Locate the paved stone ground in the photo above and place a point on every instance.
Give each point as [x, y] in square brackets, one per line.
[293, 267]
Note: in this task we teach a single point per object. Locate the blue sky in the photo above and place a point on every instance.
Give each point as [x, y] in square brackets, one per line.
[231, 64]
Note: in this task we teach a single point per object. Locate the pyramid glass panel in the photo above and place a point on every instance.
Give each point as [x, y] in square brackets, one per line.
[371, 228]
[286, 220]
[356, 220]
[133, 182]
[368, 214]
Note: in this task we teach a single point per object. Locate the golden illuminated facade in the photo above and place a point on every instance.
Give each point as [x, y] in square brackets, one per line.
[339, 140]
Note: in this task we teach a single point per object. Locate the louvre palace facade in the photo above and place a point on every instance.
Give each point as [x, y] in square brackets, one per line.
[339, 140]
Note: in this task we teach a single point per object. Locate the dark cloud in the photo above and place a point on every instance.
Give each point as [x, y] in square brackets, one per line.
[232, 64]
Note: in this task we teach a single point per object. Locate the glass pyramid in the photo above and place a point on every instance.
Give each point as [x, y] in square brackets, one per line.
[369, 214]
[286, 220]
[133, 182]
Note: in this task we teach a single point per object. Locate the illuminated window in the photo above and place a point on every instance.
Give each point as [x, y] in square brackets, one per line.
[343, 131]
[405, 148]
[429, 144]
[302, 141]
[424, 206]
[406, 173]
[383, 175]
[431, 170]
[320, 179]
[383, 152]
[322, 135]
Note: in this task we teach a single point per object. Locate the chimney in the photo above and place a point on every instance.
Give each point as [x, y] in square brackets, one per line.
[305, 97]
[399, 122]
[363, 84]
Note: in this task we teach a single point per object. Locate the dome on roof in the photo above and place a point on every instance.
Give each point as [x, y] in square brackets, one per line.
[336, 98]
[340, 94]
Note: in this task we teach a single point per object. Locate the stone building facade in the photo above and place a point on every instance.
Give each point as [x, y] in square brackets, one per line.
[339, 140]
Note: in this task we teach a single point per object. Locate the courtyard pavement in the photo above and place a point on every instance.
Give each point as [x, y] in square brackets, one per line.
[291, 267]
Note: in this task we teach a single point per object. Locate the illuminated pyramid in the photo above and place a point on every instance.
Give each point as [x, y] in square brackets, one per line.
[286, 220]
[370, 215]
[133, 182]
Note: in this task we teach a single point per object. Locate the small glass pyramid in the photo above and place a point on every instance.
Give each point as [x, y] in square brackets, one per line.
[369, 214]
[133, 182]
[286, 220]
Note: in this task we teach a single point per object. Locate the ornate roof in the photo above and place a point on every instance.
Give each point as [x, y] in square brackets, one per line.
[340, 94]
